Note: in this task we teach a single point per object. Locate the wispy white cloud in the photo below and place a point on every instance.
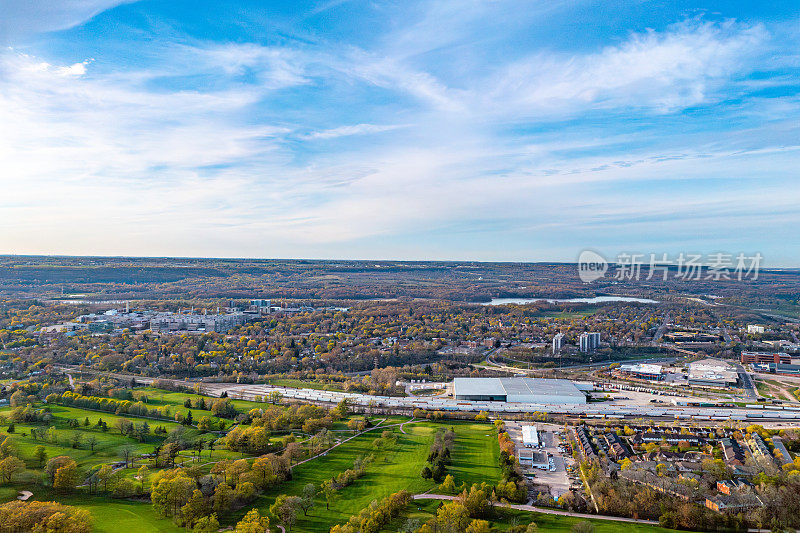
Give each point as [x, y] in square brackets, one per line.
[680, 67]
[210, 148]
[22, 18]
[346, 131]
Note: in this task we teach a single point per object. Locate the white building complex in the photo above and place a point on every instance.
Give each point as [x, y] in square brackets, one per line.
[589, 341]
[650, 372]
[712, 373]
[522, 390]
[164, 322]
[558, 342]
[530, 437]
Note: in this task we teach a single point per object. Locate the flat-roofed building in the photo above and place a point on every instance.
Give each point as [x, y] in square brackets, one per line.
[533, 458]
[530, 437]
[558, 342]
[649, 372]
[588, 342]
[518, 390]
[766, 357]
[781, 453]
[712, 373]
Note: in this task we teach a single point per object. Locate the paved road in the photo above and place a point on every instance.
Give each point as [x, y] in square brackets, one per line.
[250, 391]
[747, 382]
[661, 329]
[544, 510]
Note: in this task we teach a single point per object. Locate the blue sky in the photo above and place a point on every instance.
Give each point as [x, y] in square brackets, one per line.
[456, 129]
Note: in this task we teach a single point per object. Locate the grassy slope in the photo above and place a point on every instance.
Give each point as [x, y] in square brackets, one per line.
[474, 459]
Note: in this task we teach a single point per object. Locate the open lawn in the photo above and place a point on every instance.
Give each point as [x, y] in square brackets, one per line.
[396, 468]
[112, 516]
[107, 444]
[158, 398]
[109, 515]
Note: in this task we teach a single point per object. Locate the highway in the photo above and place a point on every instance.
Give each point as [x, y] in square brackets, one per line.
[753, 412]
[750, 413]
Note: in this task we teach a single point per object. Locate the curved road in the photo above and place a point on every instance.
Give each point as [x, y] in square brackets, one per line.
[545, 510]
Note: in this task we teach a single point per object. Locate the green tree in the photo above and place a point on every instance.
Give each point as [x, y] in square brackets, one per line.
[452, 516]
[41, 455]
[170, 491]
[252, 522]
[194, 509]
[104, 475]
[54, 464]
[10, 467]
[206, 524]
[285, 509]
[583, 527]
[330, 492]
[204, 424]
[223, 498]
[448, 485]
[307, 499]
[66, 477]
[142, 474]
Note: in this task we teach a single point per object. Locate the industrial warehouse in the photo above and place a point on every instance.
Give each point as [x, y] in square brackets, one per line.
[518, 390]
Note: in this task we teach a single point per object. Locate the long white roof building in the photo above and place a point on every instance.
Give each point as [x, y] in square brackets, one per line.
[522, 390]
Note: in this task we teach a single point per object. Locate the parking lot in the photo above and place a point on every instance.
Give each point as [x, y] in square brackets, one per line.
[557, 480]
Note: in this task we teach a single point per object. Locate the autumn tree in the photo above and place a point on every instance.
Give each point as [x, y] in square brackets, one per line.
[252, 522]
[66, 477]
[10, 467]
[285, 509]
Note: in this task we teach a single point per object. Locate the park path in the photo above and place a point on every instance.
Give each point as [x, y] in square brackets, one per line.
[378, 426]
[545, 510]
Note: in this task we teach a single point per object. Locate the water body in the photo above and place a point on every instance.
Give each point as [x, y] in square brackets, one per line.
[594, 300]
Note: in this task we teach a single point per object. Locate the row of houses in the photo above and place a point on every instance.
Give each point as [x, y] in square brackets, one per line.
[584, 443]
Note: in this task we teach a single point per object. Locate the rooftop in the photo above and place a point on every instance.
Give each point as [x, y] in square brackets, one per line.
[516, 387]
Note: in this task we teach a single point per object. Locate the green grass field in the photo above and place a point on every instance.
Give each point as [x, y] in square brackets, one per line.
[397, 467]
[475, 459]
[109, 515]
[158, 398]
[113, 516]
